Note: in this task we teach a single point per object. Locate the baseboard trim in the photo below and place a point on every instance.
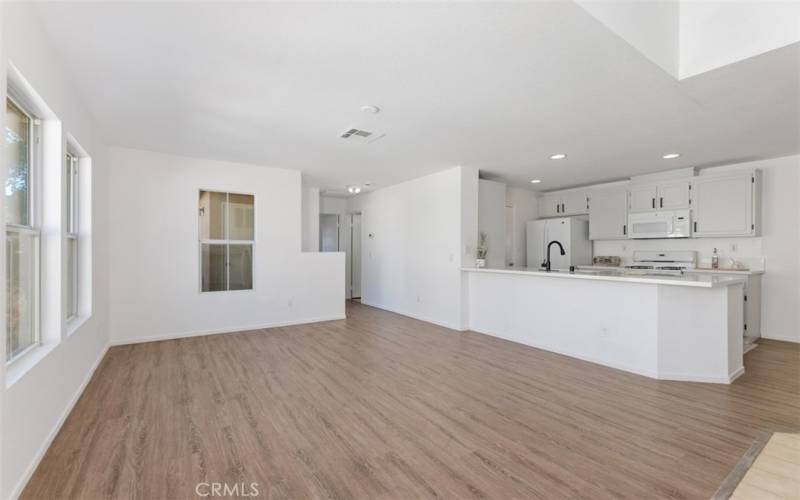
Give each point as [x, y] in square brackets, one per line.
[778, 337]
[63, 418]
[680, 377]
[444, 324]
[219, 331]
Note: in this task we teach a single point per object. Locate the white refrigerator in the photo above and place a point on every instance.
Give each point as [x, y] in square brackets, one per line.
[571, 232]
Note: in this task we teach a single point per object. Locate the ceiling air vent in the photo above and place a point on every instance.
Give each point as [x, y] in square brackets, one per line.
[358, 135]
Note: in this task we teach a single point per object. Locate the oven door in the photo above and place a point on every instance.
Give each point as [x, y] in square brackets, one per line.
[650, 225]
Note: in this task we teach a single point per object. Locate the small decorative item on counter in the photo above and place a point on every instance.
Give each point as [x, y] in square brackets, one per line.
[715, 260]
[607, 260]
[483, 249]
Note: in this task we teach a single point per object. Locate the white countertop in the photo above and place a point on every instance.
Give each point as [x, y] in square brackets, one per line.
[702, 280]
[722, 271]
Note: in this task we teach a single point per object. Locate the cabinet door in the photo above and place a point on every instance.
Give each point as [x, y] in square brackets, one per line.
[549, 205]
[574, 203]
[673, 195]
[643, 198]
[723, 206]
[608, 214]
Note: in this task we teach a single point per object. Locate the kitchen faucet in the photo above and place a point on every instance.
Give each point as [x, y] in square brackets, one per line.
[547, 262]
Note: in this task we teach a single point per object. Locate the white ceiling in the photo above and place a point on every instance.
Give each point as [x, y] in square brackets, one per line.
[498, 86]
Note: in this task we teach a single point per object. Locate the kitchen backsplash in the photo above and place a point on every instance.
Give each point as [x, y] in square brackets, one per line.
[747, 251]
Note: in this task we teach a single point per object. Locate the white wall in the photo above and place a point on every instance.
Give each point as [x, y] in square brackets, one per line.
[415, 237]
[714, 34]
[492, 220]
[310, 215]
[526, 207]
[154, 246]
[650, 27]
[36, 404]
[333, 205]
[778, 248]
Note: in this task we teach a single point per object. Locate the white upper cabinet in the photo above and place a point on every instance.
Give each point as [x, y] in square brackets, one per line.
[674, 195]
[643, 197]
[608, 214]
[726, 205]
[574, 203]
[550, 205]
[563, 203]
[665, 195]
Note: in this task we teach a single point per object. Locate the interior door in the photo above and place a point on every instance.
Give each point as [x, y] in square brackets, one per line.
[328, 233]
[355, 256]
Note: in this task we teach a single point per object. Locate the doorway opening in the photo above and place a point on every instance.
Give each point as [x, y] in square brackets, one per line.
[342, 233]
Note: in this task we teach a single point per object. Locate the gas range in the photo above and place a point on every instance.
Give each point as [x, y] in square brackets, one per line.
[658, 263]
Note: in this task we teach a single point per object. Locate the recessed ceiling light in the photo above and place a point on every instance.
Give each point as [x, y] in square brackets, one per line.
[558, 156]
[354, 189]
[369, 108]
[671, 156]
[536, 181]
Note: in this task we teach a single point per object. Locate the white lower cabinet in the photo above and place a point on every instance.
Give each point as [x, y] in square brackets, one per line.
[751, 320]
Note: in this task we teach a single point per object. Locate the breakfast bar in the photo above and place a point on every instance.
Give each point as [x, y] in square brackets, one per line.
[666, 327]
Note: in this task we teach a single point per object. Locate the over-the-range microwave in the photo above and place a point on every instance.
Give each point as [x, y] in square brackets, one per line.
[664, 224]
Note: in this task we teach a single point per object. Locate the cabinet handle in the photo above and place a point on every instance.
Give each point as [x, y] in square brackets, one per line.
[624, 229]
[695, 226]
[661, 202]
[563, 211]
[654, 202]
[558, 208]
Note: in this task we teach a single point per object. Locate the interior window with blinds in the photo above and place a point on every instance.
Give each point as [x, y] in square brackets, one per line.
[227, 240]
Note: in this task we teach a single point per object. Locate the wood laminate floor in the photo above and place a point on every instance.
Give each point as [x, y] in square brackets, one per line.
[384, 406]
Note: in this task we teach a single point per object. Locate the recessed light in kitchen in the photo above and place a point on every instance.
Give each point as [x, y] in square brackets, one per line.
[558, 156]
[354, 189]
[369, 108]
[671, 156]
[536, 181]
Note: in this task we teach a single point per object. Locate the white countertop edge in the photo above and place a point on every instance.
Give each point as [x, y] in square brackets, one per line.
[722, 271]
[708, 282]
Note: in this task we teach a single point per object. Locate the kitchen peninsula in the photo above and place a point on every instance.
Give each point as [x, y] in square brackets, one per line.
[666, 327]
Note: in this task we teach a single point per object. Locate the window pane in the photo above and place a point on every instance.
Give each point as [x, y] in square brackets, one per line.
[241, 267]
[72, 276]
[71, 194]
[212, 215]
[212, 265]
[18, 127]
[241, 217]
[21, 292]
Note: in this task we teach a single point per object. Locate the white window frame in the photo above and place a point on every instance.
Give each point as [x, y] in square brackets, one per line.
[227, 242]
[33, 227]
[73, 217]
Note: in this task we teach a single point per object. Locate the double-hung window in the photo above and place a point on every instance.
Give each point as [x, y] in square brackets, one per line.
[22, 231]
[227, 238]
[71, 210]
